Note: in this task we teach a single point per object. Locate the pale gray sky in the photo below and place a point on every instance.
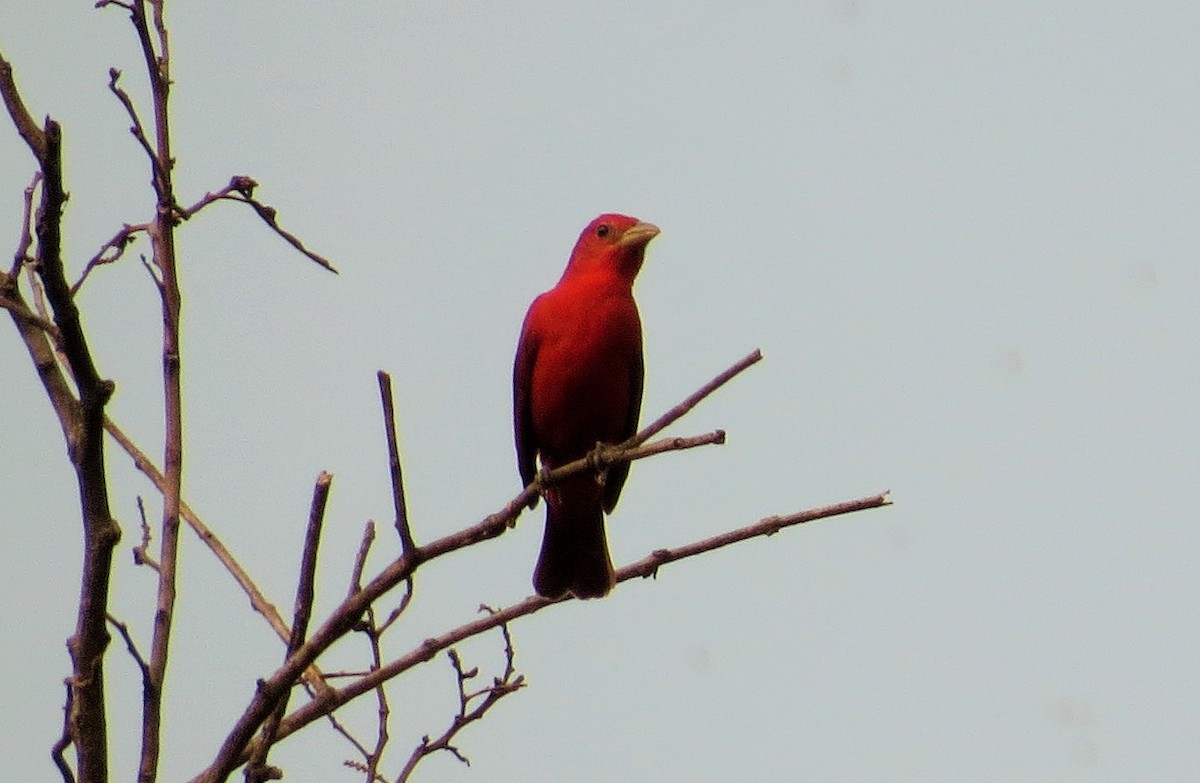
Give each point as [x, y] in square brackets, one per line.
[964, 235]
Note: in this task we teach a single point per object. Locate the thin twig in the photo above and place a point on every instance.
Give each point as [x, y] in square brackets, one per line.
[130, 645]
[373, 633]
[673, 415]
[257, 769]
[141, 552]
[161, 232]
[382, 709]
[22, 119]
[137, 129]
[394, 615]
[360, 560]
[241, 189]
[117, 245]
[21, 257]
[389, 421]
[508, 682]
[58, 749]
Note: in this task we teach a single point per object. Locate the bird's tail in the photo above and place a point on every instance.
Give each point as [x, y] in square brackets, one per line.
[574, 557]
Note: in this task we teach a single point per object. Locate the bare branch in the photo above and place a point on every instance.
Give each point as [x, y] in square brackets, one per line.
[20, 311]
[673, 415]
[257, 769]
[130, 645]
[648, 566]
[141, 552]
[111, 251]
[81, 420]
[258, 602]
[21, 257]
[394, 615]
[382, 709]
[60, 746]
[360, 560]
[138, 131]
[346, 617]
[241, 189]
[508, 682]
[389, 421]
[21, 118]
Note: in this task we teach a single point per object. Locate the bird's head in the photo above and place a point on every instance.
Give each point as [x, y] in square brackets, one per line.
[611, 243]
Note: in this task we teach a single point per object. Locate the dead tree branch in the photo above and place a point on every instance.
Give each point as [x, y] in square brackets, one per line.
[508, 682]
[645, 567]
[389, 422]
[82, 423]
[257, 769]
[241, 189]
[258, 601]
[21, 257]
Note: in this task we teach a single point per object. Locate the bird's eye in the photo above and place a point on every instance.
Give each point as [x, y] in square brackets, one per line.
[602, 231]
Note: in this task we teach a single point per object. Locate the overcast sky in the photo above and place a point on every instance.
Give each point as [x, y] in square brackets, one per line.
[965, 237]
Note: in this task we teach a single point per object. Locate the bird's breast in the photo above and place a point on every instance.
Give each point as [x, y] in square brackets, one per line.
[582, 378]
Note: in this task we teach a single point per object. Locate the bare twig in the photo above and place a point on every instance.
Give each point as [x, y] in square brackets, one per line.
[501, 686]
[401, 508]
[360, 560]
[130, 645]
[58, 749]
[161, 231]
[394, 615]
[111, 251]
[141, 552]
[673, 415]
[138, 131]
[26, 240]
[382, 709]
[22, 119]
[257, 769]
[241, 189]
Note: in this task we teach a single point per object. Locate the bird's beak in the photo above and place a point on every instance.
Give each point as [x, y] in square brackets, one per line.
[638, 234]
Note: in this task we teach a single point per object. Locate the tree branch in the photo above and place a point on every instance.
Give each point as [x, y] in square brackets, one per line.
[138, 131]
[119, 242]
[82, 422]
[26, 240]
[508, 682]
[21, 118]
[389, 421]
[647, 566]
[241, 189]
[258, 602]
[257, 769]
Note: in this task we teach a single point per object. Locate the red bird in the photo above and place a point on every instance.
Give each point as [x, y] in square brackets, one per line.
[577, 381]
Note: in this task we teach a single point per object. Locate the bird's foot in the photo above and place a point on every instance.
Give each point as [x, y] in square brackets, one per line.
[598, 461]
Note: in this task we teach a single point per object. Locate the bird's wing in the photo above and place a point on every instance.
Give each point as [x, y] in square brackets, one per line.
[523, 434]
[618, 473]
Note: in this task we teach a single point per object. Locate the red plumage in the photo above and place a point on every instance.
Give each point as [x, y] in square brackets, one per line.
[577, 381]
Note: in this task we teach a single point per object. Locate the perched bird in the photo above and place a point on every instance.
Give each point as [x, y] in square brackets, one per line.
[577, 382]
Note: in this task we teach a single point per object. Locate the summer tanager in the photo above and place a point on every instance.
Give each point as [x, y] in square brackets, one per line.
[577, 382]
